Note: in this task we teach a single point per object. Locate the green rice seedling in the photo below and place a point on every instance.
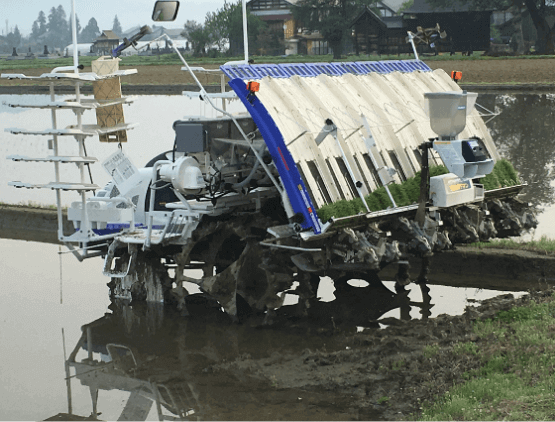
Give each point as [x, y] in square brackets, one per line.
[491, 181]
[509, 171]
[382, 197]
[399, 194]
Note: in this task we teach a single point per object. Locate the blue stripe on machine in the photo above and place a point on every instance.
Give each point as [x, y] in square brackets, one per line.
[290, 176]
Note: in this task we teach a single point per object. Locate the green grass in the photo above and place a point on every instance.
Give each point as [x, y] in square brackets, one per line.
[164, 59]
[383, 400]
[430, 350]
[408, 192]
[515, 381]
[543, 245]
[173, 59]
[467, 348]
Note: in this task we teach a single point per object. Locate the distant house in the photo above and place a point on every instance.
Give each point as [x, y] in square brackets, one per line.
[278, 16]
[385, 9]
[298, 40]
[375, 34]
[104, 44]
[386, 32]
[369, 33]
[467, 29]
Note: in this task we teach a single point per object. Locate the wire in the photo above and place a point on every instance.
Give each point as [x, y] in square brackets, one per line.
[160, 187]
[212, 177]
[207, 199]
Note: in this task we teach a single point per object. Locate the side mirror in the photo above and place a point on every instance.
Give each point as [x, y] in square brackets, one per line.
[165, 11]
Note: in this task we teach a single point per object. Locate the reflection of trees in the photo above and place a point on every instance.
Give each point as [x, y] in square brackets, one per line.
[524, 133]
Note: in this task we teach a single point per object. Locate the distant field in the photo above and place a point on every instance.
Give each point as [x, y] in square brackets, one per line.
[169, 59]
[166, 69]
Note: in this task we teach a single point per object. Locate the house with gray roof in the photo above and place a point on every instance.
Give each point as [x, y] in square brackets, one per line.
[105, 43]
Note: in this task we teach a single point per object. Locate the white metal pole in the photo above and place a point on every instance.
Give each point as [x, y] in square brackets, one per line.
[56, 165]
[411, 38]
[245, 34]
[373, 159]
[74, 36]
[80, 139]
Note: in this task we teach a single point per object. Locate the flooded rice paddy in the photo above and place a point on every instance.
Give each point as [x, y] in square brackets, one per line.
[172, 359]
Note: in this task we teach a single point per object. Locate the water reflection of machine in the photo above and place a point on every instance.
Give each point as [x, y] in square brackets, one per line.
[243, 197]
[164, 360]
[128, 341]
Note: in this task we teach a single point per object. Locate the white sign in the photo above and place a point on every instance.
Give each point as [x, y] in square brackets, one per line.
[122, 170]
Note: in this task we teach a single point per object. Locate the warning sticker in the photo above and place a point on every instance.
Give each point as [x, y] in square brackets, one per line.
[459, 184]
[122, 170]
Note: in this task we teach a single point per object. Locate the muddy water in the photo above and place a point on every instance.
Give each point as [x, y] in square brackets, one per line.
[45, 293]
[524, 133]
[171, 350]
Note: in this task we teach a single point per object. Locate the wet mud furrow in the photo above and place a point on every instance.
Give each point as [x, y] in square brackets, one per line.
[390, 371]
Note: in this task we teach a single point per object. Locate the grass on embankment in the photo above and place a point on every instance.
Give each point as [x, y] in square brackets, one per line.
[516, 380]
[543, 245]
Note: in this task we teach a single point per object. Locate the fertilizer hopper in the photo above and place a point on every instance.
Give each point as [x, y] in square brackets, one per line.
[466, 159]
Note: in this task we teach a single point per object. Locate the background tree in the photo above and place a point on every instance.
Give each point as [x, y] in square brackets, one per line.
[116, 27]
[35, 31]
[42, 22]
[58, 28]
[268, 43]
[332, 18]
[197, 36]
[90, 32]
[215, 30]
[226, 26]
[14, 38]
[39, 27]
[539, 10]
[405, 5]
